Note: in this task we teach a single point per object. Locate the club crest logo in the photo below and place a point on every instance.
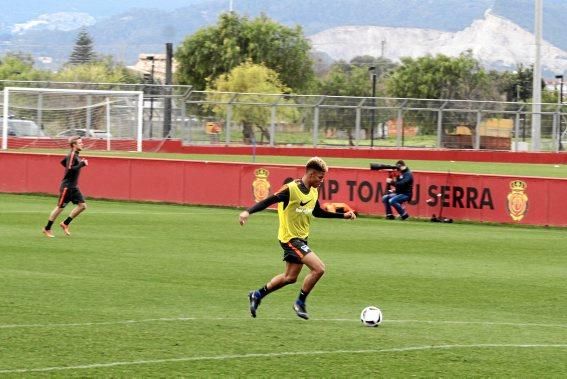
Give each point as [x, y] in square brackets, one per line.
[517, 200]
[261, 185]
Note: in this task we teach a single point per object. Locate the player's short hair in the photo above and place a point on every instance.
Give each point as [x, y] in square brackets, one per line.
[316, 164]
[73, 140]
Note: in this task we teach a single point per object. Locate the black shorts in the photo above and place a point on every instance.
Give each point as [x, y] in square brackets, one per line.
[67, 195]
[295, 250]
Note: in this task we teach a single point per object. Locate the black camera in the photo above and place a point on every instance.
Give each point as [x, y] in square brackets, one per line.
[381, 166]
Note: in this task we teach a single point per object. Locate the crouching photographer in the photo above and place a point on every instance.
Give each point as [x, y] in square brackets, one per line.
[399, 187]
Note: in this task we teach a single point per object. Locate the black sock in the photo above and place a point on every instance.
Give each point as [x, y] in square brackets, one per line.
[303, 296]
[48, 226]
[264, 291]
[68, 220]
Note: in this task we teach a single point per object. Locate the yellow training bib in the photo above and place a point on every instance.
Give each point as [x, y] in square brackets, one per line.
[295, 219]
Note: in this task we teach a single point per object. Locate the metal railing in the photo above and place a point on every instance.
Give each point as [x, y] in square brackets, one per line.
[204, 117]
[362, 122]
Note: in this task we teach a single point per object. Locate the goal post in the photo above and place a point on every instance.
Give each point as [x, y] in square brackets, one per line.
[47, 117]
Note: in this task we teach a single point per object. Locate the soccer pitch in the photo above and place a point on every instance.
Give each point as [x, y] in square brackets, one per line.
[157, 290]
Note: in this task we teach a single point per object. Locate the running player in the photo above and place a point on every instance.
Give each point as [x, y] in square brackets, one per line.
[69, 190]
[297, 203]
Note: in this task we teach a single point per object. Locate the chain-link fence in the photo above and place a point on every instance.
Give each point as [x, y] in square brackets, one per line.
[202, 117]
[240, 118]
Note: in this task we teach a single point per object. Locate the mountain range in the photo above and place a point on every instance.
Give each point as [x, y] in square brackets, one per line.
[48, 28]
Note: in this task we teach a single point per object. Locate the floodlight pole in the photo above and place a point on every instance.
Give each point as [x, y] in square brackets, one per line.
[168, 81]
[373, 122]
[536, 102]
[560, 100]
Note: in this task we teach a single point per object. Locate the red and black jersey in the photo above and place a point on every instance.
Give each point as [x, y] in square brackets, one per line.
[73, 164]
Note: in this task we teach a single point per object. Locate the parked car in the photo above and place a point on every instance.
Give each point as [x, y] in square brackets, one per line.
[23, 128]
[194, 121]
[91, 133]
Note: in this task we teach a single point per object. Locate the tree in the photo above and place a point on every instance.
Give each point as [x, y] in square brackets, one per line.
[83, 50]
[351, 79]
[19, 66]
[346, 80]
[343, 80]
[440, 77]
[354, 78]
[101, 71]
[253, 80]
[518, 84]
[382, 65]
[215, 50]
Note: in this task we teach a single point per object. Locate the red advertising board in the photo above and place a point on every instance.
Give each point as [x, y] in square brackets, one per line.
[486, 198]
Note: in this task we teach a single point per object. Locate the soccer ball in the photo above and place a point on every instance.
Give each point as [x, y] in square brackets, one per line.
[371, 316]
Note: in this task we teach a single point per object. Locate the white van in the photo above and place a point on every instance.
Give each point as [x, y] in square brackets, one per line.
[22, 128]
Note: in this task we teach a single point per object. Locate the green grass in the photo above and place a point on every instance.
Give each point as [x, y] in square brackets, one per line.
[493, 168]
[152, 290]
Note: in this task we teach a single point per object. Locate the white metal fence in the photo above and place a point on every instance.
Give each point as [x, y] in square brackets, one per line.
[370, 122]
[201, 117]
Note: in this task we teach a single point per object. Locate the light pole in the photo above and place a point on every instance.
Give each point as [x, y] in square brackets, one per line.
[536, 84]
[560, 99]
[168, 81]
[152, 59]
[372, 69]
[522, 120]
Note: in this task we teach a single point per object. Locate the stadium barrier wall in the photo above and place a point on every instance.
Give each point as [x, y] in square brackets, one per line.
[484, 198]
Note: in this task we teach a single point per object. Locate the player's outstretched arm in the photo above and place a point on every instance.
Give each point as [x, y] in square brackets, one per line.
[350, 215]
[244, 217]
[322, 213]
[281, 195]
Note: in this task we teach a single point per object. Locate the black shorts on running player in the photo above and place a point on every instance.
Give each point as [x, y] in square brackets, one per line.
[70, 195]
[294, 250]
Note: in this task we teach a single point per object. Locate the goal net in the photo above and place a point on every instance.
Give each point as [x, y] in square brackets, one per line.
[47, 117]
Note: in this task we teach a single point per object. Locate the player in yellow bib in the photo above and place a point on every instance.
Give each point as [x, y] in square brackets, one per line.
[297, 204]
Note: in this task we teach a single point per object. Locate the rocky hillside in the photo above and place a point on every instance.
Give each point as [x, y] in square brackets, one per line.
[495, 41]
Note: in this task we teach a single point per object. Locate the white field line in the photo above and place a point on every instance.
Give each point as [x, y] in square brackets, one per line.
[141, 212]
[183, 319]
[281, 354]
[489, 323]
